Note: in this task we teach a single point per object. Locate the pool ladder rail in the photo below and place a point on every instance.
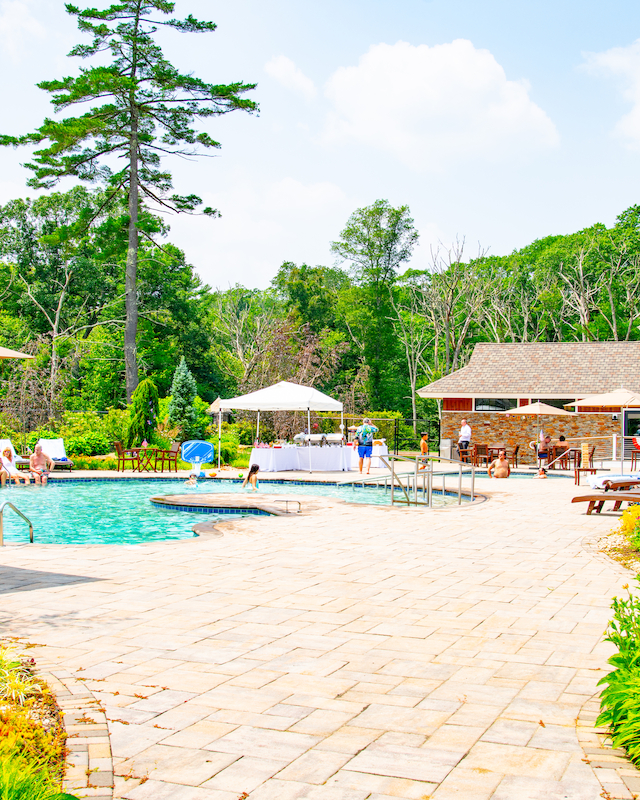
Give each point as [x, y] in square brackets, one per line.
[19, 513]
[419, 488]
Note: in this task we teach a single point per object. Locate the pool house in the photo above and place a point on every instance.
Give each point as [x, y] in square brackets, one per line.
[503, 377]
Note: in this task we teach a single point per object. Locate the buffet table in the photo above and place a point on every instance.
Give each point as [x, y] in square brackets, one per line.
[378, 450]
[283, 459]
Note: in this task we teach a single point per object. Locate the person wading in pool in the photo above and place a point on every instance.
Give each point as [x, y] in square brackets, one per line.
[500, 466]
[364, 438]
[252, 478]
[38, 462]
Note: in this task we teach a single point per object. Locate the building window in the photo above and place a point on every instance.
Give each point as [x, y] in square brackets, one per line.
[491, 404]
[557, 403]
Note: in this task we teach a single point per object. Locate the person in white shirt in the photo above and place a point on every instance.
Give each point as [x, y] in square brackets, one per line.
[465, 436]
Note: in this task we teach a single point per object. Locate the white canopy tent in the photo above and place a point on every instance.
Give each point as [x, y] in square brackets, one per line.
[282, 396]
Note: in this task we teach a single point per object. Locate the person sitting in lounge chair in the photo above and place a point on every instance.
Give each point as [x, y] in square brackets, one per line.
[40, 465]
[10, 468]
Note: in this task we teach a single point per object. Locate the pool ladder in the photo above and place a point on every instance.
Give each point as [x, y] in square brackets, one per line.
[19, 513]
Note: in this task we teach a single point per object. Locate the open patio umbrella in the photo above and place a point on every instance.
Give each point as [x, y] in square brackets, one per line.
[6, 353]
[537, 409]
[620, 397]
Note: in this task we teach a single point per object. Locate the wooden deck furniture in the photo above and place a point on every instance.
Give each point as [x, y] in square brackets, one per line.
[597, 500]
[466, 454]
[621, 485]
[579, 470]
[168, 457]
[126, 456]
[480, 453]
[635, 459]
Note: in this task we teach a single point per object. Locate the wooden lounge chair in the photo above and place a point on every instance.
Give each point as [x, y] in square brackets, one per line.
[621, 484]
[130, 456]
[168, 457]
[597, 500]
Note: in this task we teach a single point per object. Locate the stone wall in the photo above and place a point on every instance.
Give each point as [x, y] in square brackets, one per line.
[488, 428]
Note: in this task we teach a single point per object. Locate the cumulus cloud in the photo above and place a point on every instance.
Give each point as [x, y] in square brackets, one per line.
[262, 225]
[283, 70]
[429, 105]
[17, 27]
[622, 62]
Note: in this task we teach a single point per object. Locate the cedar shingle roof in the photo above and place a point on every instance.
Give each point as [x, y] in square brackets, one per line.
[543, 370]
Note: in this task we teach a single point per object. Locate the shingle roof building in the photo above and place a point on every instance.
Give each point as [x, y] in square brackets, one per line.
[543, 369]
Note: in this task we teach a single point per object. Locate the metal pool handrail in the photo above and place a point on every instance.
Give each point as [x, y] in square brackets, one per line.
[17, 510]
[427, 475]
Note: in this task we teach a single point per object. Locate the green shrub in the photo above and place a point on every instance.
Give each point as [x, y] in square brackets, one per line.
[90, 444]
[20, 780]
[144, 414]
[620, 699]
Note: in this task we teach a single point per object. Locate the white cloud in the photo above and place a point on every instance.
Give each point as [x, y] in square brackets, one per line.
[262, 225]
[429, 105]
[625, 63]
[283, 70]
[17, 28]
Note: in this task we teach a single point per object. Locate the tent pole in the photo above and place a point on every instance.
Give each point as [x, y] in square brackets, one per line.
[219, 434]
[342, 434]
[309, 430]
[622, 441]
[258, 429]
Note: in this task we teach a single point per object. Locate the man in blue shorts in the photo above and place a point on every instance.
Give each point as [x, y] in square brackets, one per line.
[364, 437]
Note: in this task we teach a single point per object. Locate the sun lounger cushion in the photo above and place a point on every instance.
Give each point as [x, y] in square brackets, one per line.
[597, 481]
[4, 443]
[54, 448]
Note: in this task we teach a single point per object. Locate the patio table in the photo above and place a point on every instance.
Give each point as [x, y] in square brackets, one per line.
[146, 459]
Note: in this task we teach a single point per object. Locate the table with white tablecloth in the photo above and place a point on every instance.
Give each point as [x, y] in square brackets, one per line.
[318, 459]
[378, 450]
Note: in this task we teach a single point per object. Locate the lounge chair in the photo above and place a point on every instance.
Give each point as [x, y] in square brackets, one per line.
[597, 501]
[54, 448]
[19, 461]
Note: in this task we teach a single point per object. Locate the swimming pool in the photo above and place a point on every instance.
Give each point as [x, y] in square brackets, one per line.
[108, 511]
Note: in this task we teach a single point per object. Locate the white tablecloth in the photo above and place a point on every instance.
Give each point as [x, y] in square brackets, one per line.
[323, 459]
[378, 450]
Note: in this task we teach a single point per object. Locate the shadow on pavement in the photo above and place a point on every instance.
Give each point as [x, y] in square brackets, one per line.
[16, 579]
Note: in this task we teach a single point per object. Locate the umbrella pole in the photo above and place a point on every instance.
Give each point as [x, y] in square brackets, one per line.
[309, 434]
[219, 434]
[622, 441]
[258, 428]
[342, 437]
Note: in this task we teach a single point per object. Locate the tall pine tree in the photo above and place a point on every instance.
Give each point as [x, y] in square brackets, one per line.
[145, 110]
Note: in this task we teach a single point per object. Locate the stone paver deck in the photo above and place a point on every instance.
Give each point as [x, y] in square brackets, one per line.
[351, 653]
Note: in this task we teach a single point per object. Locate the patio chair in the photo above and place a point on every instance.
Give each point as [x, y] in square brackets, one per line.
[19, 461]
[481, 454]
[126, 457]
[466, 454]
[514, 457]
[54, 448]
[168, 457]
[635, 459]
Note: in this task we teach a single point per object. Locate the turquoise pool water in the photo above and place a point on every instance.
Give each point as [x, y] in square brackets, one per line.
[119, 512]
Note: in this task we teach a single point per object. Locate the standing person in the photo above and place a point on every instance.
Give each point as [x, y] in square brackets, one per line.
[38, 462]
[252, 477]
[424, 448]
[464, 438]
[364, 437]
[500, 466]
[10, 468]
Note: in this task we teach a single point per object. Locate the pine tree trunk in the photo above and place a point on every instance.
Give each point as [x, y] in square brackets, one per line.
[131, 293]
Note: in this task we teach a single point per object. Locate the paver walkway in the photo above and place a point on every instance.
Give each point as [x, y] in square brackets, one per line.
[348, 654]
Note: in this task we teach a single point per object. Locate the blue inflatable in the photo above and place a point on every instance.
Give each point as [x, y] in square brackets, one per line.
[197, 453]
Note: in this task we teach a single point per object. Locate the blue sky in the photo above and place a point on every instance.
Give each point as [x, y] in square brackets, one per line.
[499, 122]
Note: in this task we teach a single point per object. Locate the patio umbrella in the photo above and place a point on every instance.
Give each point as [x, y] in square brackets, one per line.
[537, 409]
[620, 397]
[6, 353]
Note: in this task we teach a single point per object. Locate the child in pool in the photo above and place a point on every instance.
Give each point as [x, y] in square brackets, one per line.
[193, 480]
[542, 473]
[252, 478]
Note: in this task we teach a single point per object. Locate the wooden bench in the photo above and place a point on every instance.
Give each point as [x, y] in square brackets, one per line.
[597, 501]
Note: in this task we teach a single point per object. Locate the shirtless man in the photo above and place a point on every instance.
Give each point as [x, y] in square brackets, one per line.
[38, 465]
[500, 467]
